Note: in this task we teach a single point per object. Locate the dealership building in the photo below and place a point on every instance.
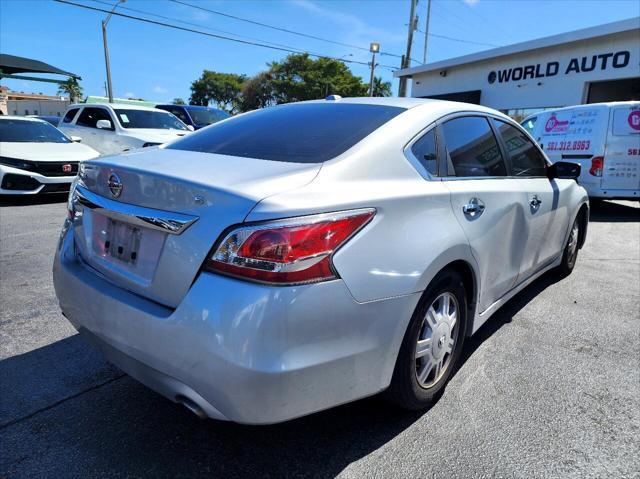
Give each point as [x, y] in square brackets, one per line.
[592, 65]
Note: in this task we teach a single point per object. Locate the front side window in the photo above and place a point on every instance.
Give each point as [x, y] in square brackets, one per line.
[70, 115]
[25, 131]
[426, 152]
[296, 133]
[526, 159]
[90, 117]
[130, 118]
[472, 148]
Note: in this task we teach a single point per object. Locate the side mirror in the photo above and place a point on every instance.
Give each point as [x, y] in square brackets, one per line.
[190, 128]
[104, 125]
[564, 170]
[76, 139]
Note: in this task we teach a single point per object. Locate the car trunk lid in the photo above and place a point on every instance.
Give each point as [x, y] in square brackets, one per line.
[152, 234]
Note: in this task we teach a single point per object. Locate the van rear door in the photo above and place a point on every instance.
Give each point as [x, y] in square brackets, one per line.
[622, 155]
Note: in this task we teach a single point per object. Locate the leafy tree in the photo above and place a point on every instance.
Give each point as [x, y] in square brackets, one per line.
[178, 101]
[299, 78]
[257, 92]
[72, 88]
[222, 89]
[380, 88]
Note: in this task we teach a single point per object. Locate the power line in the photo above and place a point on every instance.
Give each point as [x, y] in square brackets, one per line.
[274, 27]
[214, 35]
[459, 39]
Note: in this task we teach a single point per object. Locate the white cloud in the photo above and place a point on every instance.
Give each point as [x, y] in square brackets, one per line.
[471, 2]
[159, 89]
[130, 95]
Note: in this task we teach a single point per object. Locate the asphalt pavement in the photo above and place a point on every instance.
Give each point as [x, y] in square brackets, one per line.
[549, 387]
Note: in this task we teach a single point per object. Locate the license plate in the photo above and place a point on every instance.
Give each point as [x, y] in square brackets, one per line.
[121, 241]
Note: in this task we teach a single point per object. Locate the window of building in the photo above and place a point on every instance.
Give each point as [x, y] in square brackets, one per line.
[472, 148]
[26, 112]
[526, 159]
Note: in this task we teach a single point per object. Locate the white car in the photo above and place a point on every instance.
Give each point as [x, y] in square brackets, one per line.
[113, 128]
[604, 138]
[36, 157]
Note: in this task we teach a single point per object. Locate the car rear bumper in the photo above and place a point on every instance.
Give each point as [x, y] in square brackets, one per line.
[614, 194]
[240, 351]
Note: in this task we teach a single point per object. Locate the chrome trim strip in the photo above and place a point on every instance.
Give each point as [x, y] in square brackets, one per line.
[165, 221]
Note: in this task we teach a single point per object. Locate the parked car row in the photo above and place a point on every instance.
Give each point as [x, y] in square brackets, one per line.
[37, 158]
[302, 256]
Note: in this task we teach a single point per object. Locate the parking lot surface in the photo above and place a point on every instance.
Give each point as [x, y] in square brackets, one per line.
[549, 387]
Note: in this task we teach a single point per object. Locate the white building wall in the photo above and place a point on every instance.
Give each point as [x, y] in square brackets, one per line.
[560, 90]
[42, 107]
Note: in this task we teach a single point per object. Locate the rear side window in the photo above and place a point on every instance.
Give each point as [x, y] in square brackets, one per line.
[297, 133]
[426, 152]
[526, 159]
[90, 116]
[68, 118]
[472, 148]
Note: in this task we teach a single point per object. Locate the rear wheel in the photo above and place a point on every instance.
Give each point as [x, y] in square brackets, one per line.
[432, 344]
[570, 253]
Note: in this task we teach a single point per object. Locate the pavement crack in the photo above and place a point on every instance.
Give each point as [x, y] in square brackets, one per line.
[57, 403]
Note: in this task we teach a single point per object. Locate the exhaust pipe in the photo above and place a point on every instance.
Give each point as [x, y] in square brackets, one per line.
[191, 406]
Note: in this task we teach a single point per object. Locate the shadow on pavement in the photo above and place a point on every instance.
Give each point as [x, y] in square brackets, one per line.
[610, 212]
[118, 427]
[26, 200]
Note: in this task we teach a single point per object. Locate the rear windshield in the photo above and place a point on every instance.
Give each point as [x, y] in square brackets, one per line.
[296, 133]
[207, 117]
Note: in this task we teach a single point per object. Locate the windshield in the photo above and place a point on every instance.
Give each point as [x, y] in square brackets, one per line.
[129, 118]
[207, 117]
[297, 133]
[26, 131]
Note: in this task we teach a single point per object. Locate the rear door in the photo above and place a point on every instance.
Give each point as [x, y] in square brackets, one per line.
[487, 204]
[544, 208]
[622, 156]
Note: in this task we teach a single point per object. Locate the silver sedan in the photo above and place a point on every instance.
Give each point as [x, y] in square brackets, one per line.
[302, 256]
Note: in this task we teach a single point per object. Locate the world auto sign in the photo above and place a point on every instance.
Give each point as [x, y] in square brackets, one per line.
[589, 63]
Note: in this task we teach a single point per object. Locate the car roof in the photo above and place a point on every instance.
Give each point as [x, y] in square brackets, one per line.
[189, 107]
[120, 106]
[25, 118]
[443, 107]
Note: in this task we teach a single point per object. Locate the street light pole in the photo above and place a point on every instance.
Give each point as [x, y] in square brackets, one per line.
[373, 48]
[406, 61]
[106, 50]
[426, 32]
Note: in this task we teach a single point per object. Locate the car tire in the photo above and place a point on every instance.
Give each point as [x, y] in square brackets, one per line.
[409, 387]
[570, 252]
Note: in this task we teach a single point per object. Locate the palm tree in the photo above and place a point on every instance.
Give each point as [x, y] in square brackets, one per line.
[72, 88]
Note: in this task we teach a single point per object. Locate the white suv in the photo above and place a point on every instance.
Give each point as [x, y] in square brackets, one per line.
[114, 128]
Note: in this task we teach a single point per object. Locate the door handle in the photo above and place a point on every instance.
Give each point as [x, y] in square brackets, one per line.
[474, 208]
[535, 202]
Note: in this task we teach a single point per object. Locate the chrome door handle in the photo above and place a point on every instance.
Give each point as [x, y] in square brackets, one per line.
[474, 208]
[535, 201]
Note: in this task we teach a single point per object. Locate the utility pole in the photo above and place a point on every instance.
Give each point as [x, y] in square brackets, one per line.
[106, 50]
[373, 48]
[402, 91]
[426, 32]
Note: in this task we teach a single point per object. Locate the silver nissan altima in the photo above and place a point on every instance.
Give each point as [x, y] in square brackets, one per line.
[302, 256]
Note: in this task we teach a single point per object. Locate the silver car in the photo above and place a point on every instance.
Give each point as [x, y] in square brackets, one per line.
[298, 257]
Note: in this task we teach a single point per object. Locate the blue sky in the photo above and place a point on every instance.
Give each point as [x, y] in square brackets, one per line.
[157, 63]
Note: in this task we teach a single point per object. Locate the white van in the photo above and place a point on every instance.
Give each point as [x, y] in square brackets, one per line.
[604, 138]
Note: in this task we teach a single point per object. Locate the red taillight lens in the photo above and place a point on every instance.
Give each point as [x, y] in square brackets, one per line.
[296, 250]
[597, 165]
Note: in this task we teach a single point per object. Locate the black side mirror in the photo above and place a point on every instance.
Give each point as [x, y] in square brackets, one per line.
[564, 170]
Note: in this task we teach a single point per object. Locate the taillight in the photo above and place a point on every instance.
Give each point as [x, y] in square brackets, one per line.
[597, 165]
[295, 250]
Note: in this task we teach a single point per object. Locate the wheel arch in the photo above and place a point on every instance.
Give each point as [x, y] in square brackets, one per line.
[583, 217]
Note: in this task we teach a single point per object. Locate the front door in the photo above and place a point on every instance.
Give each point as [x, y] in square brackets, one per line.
[487, 204]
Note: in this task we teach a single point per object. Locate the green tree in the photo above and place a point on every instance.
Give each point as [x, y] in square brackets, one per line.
[222, 89]
[380, 88]
[178, 101]
[72, 88]
[300, 77]
[257, 92]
